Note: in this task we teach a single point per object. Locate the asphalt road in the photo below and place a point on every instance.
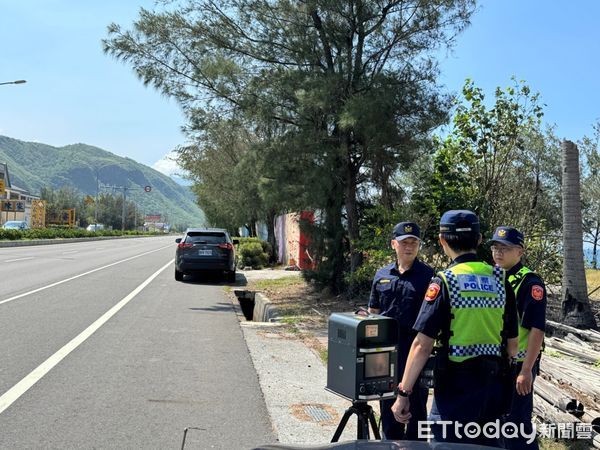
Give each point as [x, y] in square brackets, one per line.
[101, 348]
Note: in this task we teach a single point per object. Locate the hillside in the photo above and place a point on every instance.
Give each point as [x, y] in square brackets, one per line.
[33, 165]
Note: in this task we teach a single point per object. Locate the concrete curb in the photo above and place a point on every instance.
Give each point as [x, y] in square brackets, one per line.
[27, 243]
[264, 310]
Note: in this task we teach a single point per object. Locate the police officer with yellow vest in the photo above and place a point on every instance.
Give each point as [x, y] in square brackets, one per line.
[471, 309]
[530, 292]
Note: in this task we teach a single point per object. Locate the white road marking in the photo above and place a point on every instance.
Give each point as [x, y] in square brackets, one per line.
[10, 396]
[18, 259]
[79, 276]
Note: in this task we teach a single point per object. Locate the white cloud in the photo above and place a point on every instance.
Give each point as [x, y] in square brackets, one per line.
[168, 165]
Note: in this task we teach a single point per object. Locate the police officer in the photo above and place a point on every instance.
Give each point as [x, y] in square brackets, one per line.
[530, 292]
[398, 290]
[472, 310]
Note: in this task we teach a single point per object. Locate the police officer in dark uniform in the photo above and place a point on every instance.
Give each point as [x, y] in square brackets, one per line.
[530, 292]
[398, 290]
[471, 308]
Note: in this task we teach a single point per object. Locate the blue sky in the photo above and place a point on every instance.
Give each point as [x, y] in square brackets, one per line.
[75, 93]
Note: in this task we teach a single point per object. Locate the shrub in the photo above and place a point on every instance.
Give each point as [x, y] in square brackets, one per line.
[61, 233]
[253, 252]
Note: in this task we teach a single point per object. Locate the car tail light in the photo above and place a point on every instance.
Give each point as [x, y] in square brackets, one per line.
[184, 245]
[226, 246]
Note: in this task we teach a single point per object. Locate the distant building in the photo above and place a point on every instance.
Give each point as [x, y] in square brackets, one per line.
[15, 202]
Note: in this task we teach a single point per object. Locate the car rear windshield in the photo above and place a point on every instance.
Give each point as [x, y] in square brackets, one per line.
[205, 238]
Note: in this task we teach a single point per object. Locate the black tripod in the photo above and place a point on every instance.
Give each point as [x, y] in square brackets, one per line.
[364, 414]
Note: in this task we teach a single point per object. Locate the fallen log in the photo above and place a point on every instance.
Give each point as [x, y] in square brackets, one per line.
[558, 398]
[581, 377]
[593, 417]
[575, 348]
[549, 414]
[586, 335]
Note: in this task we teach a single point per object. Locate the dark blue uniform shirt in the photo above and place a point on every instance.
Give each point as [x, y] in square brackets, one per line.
[531, 300]
[434, 315]
[399, 295]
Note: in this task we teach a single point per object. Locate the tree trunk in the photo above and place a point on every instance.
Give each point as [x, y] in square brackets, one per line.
[576, 309]
[271, 235]
[352, 211]
[595, 249]
[334, 235]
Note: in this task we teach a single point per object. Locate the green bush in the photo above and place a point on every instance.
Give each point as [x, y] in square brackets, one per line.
[359, 282]
[62, 233]
[253, 252]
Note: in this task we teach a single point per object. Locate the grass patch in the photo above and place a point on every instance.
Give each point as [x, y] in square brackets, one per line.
[278, 282]
[323, 354]
[553, 354]
[593, 281]
[291, 320]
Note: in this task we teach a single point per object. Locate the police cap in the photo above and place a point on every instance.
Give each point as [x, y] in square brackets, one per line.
[459, 221]
[404, 230]
[508, 236]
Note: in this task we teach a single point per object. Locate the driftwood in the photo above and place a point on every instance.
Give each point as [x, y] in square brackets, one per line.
[581, 377]
[592, 417]
[558, 398]
[586, 335]
[572, 346]
[548, 413]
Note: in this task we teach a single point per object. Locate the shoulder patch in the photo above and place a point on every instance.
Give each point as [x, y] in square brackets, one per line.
[537, 292]
[432, 292]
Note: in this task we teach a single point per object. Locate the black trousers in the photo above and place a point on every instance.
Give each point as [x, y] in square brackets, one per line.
[520, 414]
[468, 393]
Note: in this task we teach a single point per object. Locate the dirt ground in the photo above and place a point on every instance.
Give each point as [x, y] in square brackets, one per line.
[304, 308]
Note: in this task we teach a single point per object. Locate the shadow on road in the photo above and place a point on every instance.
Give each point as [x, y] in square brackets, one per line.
[214, 279]
[219, 307]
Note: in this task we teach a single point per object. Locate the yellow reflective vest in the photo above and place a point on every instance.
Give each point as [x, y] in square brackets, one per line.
[477, 300]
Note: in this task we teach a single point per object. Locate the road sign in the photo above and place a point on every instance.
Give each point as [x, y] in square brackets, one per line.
[13, 205]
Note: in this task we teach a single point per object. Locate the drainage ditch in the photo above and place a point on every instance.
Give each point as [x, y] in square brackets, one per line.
[247, 300]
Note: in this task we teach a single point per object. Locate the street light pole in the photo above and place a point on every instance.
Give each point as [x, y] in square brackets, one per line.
[14, 82]
[124, 200]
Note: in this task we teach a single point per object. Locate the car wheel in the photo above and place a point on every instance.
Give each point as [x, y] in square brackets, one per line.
[231, 276]
[178, 275]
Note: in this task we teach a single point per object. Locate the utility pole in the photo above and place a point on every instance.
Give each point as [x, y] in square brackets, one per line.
[124, 210]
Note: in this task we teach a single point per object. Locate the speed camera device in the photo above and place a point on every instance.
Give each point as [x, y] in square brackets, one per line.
[362, 356]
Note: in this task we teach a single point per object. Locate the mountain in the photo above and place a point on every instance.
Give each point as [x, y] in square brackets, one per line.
[32, 165]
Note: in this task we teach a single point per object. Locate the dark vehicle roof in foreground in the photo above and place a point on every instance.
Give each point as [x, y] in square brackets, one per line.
[379, 445]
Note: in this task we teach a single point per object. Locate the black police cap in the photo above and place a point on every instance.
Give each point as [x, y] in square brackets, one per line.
[405, 230]
[459, 221]
[508, 236]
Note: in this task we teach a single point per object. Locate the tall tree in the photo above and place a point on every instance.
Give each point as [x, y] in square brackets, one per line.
[358, 78]
[576, 308]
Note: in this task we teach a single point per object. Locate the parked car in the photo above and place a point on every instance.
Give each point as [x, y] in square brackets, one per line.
[15, 225]
[205, 250]
[95, 227]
